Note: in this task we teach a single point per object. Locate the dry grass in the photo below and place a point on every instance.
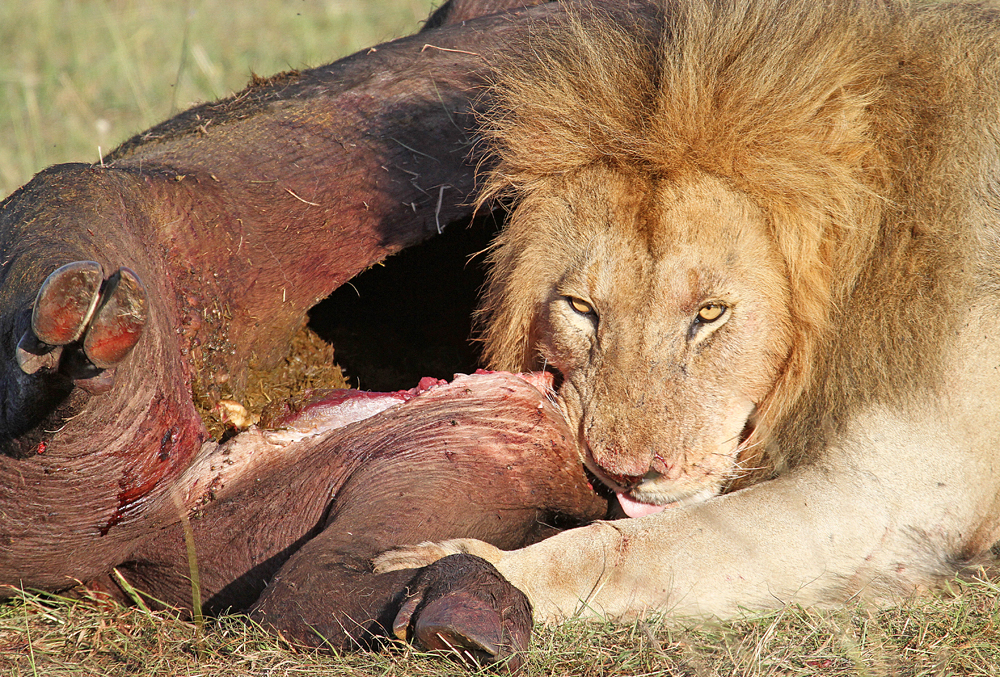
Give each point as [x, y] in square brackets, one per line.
[954, 633]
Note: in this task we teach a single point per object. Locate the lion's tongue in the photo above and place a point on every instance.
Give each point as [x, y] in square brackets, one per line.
[634, 508]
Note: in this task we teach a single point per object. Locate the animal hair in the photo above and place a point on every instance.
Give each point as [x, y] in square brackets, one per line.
[850, 123]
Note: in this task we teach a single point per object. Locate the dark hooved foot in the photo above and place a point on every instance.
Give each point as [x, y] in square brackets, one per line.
[118, 322]
[461, 604]
[98, 321]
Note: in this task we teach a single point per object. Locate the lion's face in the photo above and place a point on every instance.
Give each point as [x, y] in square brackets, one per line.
[667, 316]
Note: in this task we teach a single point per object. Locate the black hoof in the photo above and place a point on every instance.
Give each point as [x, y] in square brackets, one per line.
[99, 321]
[118, 322]
[462, 605]
[66, 301]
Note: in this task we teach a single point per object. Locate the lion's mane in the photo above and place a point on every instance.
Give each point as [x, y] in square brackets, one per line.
[829, 115]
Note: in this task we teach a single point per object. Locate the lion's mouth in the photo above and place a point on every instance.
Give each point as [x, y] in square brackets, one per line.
[634, 508]
[640, 496]
[624, 489]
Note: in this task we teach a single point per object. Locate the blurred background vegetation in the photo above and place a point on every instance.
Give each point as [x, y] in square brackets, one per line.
[78, 77]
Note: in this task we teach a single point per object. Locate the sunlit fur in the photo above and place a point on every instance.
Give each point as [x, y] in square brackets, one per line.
[828, 116]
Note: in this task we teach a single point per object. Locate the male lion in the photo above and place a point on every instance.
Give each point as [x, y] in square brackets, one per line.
[759, 242]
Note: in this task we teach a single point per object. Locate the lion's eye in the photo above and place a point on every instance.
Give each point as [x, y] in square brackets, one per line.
[711, 312]
[580, 306]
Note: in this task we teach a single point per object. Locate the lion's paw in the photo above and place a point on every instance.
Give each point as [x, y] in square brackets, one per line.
[428, 552]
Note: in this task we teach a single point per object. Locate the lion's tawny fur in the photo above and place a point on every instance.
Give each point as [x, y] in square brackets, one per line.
[756, 235]
[847, 122]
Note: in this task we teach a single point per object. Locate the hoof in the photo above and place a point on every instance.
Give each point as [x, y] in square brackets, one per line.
[98, 321]
[118, 322]
[462, 605]
[462, 623]
[65, 303]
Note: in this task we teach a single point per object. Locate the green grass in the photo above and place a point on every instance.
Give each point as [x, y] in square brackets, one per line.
[954, 633]
[79, 75]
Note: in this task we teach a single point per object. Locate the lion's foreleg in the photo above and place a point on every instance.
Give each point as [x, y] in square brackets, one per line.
[904, 494]
[758, 548]
[880, 516]
[802, 538]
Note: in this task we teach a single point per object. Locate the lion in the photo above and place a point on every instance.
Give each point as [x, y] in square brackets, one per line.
[759, 247]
